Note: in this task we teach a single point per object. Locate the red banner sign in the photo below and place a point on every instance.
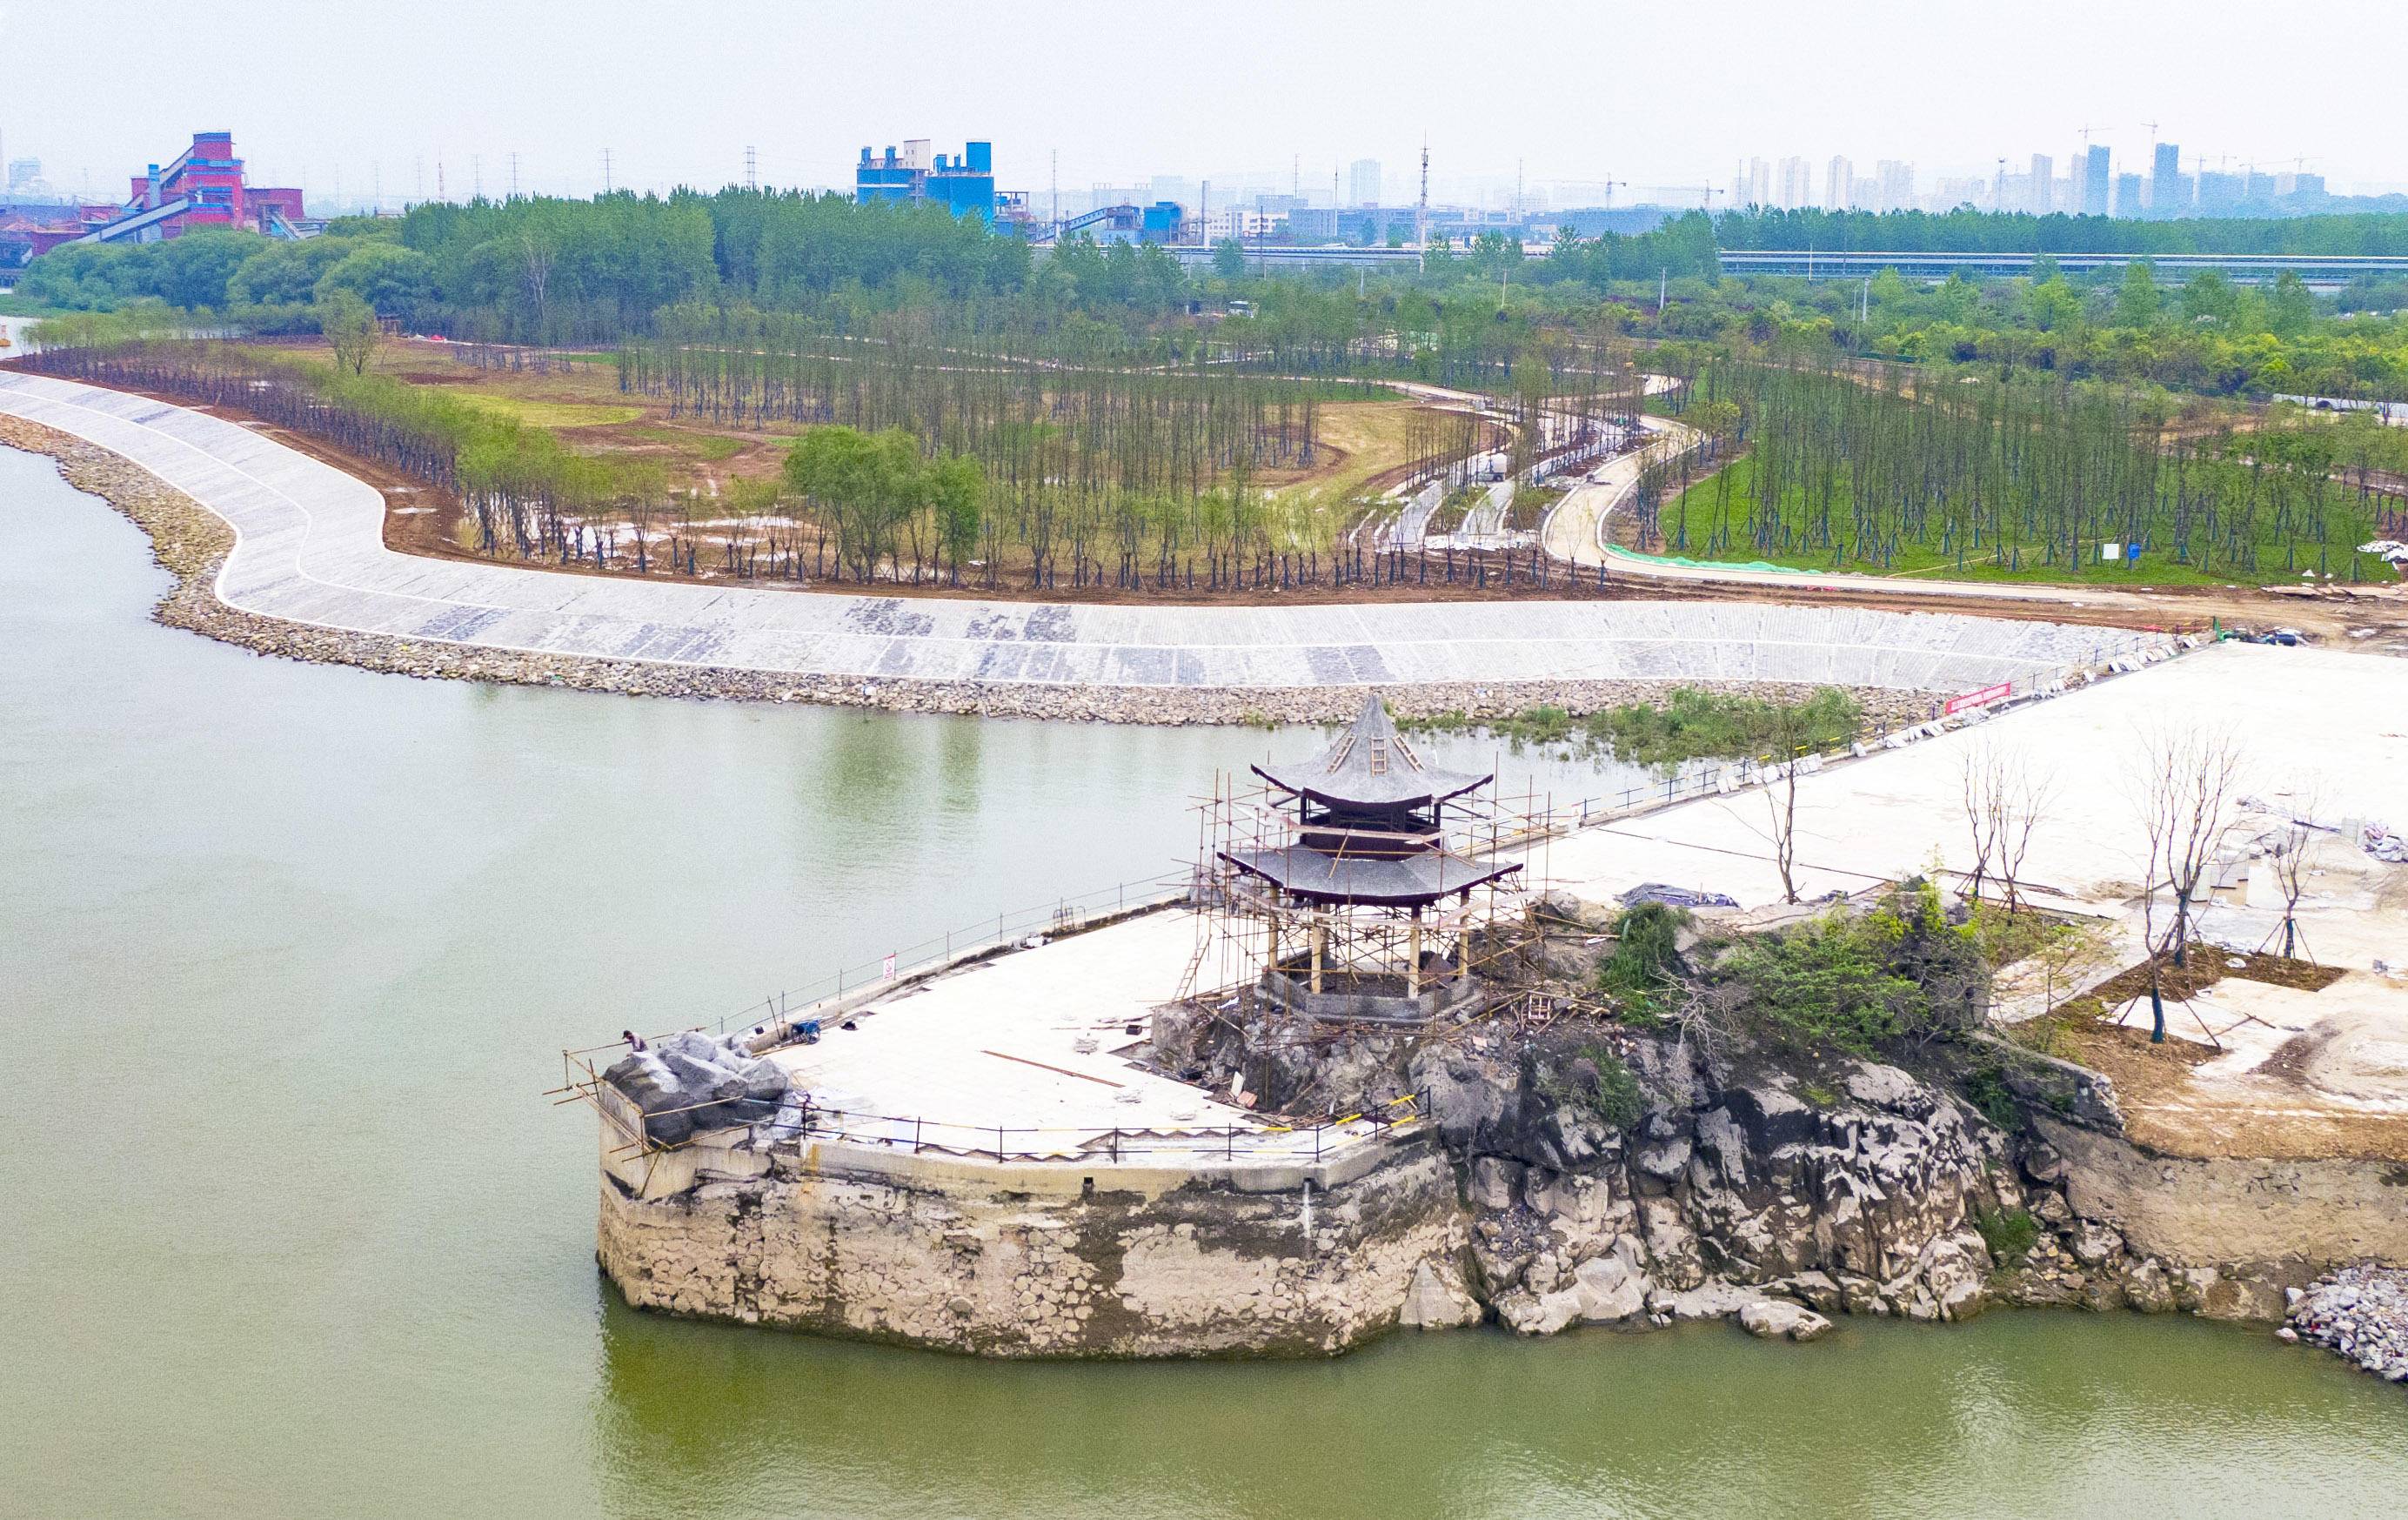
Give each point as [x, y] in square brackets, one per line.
[1982, 698]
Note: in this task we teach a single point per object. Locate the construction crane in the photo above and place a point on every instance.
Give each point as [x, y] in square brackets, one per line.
[1421, 207]
[1706, 193]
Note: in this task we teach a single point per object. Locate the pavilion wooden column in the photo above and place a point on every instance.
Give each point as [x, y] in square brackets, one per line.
[1320, 941]
[1413, 957]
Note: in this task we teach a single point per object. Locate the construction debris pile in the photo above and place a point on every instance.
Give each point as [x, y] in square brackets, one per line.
[690, 1082]
[2384, 844]
[2359, 1313]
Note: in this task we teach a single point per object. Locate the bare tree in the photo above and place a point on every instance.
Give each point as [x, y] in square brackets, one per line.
[2018, 805]
[1982, 779]
[535, 271]
[2293, 845]
[1781, 796]
[2182, 785]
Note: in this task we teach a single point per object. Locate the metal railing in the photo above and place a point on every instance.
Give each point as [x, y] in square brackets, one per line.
[1270, 1139]
[852, 986]
[793, 1122]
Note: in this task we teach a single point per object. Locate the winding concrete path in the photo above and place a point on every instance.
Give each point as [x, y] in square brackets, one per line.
[309, 549]
[1575, 530]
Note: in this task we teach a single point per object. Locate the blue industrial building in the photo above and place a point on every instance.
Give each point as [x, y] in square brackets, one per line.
[962, 184]
[1161, 222]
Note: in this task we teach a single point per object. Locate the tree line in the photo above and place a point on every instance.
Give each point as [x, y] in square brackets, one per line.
[1965, 230]
[2029, 474]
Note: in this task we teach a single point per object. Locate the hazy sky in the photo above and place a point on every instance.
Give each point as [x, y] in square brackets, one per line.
[1657, 95]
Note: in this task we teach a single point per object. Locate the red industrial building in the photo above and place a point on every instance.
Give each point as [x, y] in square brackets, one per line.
[203, 189]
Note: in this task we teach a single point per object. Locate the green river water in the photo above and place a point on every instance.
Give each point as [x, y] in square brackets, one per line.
[287, 954]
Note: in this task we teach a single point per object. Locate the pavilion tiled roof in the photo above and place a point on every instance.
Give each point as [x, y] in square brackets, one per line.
[1370, 765]
[1422, 878]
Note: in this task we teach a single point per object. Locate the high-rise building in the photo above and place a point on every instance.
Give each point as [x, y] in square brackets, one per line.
[1839, 184]
[2040, 197]
[2168, 189]
[2129, 199]
[1362, 182]
[1896, 181]
[2096, 182]
[1757, 185]
[1796, 186]
[1963, 190]
[2220, 195]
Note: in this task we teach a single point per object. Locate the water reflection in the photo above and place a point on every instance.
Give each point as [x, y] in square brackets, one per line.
[287, 954]
[2036, 1414]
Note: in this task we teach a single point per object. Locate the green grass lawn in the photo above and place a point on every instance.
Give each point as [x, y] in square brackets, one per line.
[2157, 567]
[552, 414]
[711, 447]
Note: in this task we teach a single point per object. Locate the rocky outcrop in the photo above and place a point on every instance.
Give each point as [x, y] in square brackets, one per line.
[1777, 1193]
[1760, 1187]
[1856, 1190]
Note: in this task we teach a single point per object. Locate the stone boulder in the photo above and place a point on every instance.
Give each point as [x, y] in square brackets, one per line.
[1775, 1319]
[1437, 1299]
[689, 1082]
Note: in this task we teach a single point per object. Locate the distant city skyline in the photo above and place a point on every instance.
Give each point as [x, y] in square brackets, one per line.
[2096, 181]
[1265, 98]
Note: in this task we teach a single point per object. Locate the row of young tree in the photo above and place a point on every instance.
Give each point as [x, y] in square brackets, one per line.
[1029, 408]
[1857, 468]
[934, 465]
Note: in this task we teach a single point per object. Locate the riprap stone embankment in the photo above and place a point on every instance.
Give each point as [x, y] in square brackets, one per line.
[193, 543]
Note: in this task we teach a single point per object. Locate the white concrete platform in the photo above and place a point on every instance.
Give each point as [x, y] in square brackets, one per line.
[310, 550]
[2300, 716]
[1017, 1056]
[998, 1043]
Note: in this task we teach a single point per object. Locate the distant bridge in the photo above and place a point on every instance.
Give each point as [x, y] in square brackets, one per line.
[1286, 256]
[2323, 271]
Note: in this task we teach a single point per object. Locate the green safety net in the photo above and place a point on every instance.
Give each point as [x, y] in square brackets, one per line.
[1620, 553]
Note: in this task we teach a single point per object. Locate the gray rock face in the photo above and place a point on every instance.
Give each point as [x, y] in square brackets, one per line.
[1437, 1299]
[1771, 1319]
[690, 1082]
[1733, 1190]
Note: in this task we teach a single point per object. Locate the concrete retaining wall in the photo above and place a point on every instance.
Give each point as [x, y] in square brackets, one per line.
[1035, 1260]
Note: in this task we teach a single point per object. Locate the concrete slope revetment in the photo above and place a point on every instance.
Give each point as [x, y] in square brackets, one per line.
[309, 550]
